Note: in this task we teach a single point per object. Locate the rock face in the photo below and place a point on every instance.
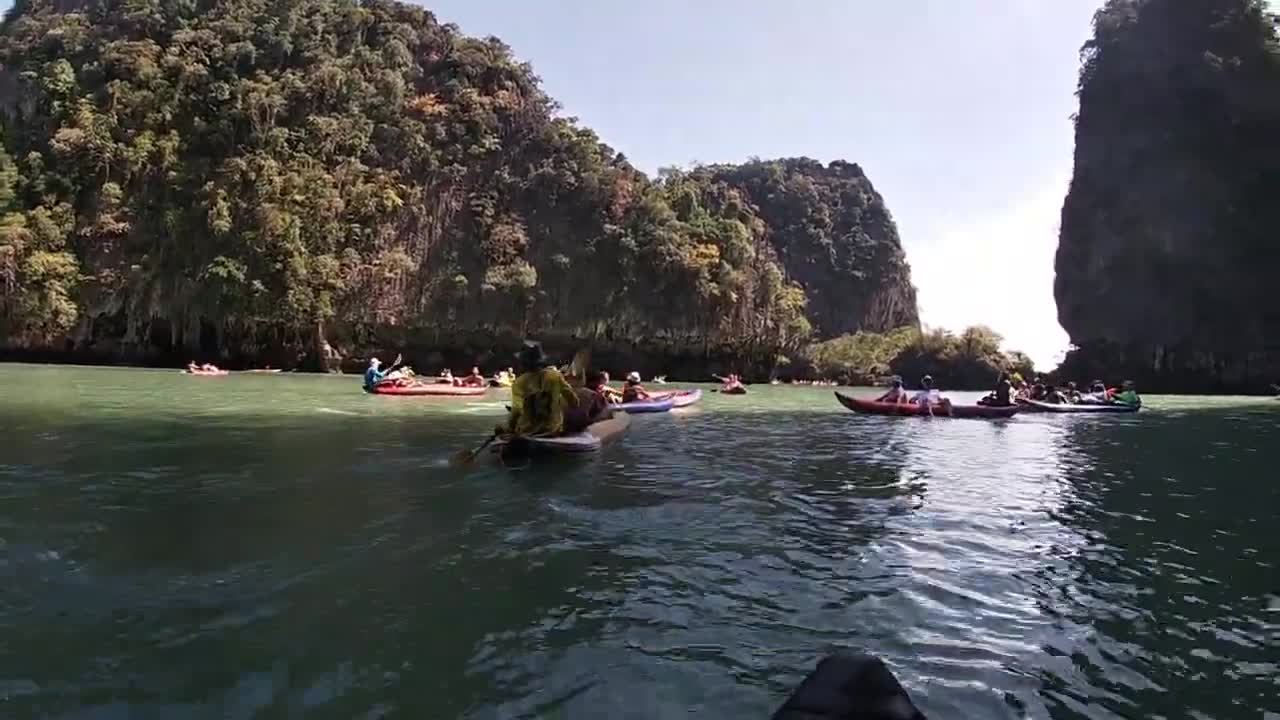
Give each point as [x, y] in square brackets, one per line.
[246, 180]
[836, 239]
[1170, 239]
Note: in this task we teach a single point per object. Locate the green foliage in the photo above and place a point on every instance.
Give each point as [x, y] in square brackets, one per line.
[972, 360]
[265, 169]
[861, 357]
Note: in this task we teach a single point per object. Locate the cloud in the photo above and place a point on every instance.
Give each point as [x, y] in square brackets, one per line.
[997, 270]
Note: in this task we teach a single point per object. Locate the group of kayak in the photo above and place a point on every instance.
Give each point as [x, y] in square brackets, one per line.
[548, 413]
[1011, 395]
[1043, 395]
[399, 379]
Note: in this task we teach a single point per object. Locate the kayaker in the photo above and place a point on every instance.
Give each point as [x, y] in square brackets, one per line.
[593, 406]
[1054, 396]
[896, 394]
[1002, 396]
[599, 384]
[375, 374]
[1128, 395]
[475, 379]
[929, 396]
[539, 396]
[1097, 394]
[633, 391]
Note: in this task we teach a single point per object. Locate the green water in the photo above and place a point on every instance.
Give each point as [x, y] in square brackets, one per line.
[286, 546]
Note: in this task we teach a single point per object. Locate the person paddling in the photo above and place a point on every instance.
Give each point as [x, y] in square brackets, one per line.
[633, 391]
[599, 384]
[593, 406]
[1128, 395]
[897, 394]
[475, 379]
[375, 374]
[1002, 396]
[928, 397]
[539, 396]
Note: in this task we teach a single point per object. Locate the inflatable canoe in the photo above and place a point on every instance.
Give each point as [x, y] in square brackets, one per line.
[871, 407]
[1037, 406]
[734, 390]
[427, 390]
[682, 398]
[592, 439]
[207, 373]
[656, 405]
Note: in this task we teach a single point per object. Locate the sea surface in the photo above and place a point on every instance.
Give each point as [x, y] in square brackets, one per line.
[286, 546]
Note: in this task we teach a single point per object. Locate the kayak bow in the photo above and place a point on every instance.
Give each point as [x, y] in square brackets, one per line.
[660, 405]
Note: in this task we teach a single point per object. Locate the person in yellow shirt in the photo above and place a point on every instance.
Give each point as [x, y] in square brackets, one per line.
[539, 396]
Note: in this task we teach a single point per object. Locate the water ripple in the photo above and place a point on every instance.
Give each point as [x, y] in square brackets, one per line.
[317, 557]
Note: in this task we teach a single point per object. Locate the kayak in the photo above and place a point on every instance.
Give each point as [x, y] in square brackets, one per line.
[1037, 406]
[591, 440]
[427, 390]
[871, 407]
[681, 398]
[734, 390]
[657, 405]
[260, 372]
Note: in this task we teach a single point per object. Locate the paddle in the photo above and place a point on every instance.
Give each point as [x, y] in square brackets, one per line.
[465, 457]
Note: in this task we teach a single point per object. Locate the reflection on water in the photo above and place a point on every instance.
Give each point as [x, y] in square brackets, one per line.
[285, 546]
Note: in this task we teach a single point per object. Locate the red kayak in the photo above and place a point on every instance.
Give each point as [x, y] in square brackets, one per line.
[428, 390]
[871, 407]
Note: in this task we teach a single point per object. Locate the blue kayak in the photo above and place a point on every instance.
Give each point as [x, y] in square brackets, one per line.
[660, 405]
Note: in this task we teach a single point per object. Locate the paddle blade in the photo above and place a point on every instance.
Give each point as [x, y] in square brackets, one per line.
[462, 457]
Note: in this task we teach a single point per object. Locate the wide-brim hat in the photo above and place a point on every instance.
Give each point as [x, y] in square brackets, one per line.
[532, 355]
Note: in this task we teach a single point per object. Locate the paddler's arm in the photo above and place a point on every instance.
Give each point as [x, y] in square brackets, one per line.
[566, 391]
[517, 405]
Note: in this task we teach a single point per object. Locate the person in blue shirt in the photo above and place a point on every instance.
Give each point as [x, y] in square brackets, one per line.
[374, 375]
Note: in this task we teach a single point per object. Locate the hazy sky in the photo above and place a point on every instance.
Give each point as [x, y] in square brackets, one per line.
[958, 110]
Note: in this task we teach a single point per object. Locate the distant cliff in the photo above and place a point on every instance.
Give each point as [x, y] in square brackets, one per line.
[306, 181]
[1170, 243]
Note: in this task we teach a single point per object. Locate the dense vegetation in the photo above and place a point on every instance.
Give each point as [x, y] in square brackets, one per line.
[972, 360]
[250, 179]
[1171, 232]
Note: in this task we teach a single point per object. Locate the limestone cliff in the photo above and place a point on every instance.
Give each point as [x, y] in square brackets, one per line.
[1170, 239]
[247, 180]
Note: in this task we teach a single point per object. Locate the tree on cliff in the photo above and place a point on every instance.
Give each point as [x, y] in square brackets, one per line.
[1169, 247]
[240, 176]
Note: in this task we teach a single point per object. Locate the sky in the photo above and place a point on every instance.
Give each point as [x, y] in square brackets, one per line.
[958, 110]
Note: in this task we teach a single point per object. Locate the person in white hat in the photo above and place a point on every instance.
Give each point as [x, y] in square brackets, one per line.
[375, 374]
[633, 391]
